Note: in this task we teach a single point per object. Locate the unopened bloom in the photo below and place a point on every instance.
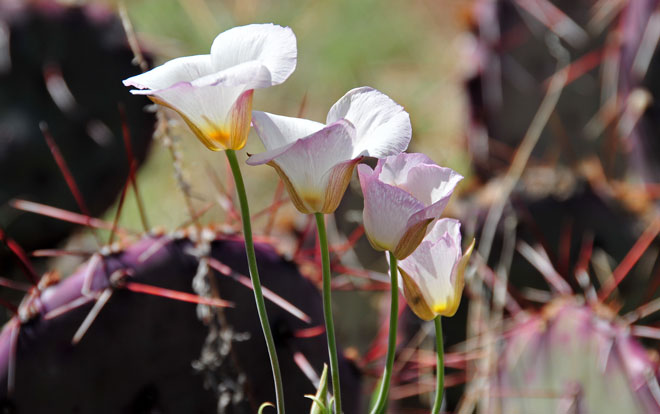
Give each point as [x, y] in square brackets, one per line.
[402, 196]
[315, 160]
[433, 274]
[213, 93]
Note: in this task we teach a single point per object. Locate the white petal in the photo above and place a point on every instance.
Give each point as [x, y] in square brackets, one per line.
[382, 126]
[207, 107]
[431, 183]
[250, 75]
[437, 230]
[184, 69]
[309, 159]
[387, 210]
[276, 131]
[308, 163]
[271, 45]
[394, 169]
[431, 266]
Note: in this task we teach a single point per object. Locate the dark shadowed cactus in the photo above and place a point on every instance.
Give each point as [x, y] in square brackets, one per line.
[141, 354]
[520, 45]
[62, 66]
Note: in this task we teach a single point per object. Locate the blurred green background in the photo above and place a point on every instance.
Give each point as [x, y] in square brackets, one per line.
[407, 49]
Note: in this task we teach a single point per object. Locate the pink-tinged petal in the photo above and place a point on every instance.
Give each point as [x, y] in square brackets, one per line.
[276, 132]
[314, 168]
[431, 184]
[394, 169]
[418, 175]
[387, 210]
[382, 126]
[184, 69]
[271, 45]
[239, 120]
[337, 180]
[451, 227]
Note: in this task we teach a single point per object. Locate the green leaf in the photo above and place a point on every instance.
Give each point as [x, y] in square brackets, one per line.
[320, 400]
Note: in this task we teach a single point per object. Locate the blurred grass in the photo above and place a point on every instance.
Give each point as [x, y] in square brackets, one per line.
[405, 49]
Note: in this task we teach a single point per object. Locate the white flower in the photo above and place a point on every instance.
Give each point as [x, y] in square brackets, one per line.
[402, 196]
[316, 160]
[433, 275]
[213, 93]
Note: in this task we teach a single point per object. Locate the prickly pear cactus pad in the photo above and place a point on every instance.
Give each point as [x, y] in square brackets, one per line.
[144, 353]
[571, 358]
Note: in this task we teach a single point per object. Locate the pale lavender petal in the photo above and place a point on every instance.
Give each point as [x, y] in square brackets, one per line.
[431, 183]
[276, 131]
[394, 169]
[382, 126]
[271, 45]
[387, 210]
[308, 163]
[439, 228]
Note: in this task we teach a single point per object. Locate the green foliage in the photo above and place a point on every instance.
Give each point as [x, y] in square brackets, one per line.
[321, 404]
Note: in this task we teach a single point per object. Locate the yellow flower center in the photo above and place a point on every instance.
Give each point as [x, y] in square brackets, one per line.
[219, 136]
[439, 308]
[312, 200]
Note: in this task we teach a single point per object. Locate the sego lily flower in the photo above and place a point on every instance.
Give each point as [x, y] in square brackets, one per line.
[402, 196]
[433, 274]
[213, 93]
[315, 160]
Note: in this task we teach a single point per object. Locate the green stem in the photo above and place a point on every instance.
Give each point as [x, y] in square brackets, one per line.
[327, 311]
[381, 402]
[254, 275]
[440, 368]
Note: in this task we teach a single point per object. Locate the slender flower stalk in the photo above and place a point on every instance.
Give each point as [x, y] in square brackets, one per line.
[440, 367]
[327, 311]
[213, 95]
[383, 392]
[254, 275]
[316, 161]
[403, 195]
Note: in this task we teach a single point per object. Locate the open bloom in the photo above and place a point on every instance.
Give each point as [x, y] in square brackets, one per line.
[433, 274]
[402, 196]
[315, 160]
[213, 93]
